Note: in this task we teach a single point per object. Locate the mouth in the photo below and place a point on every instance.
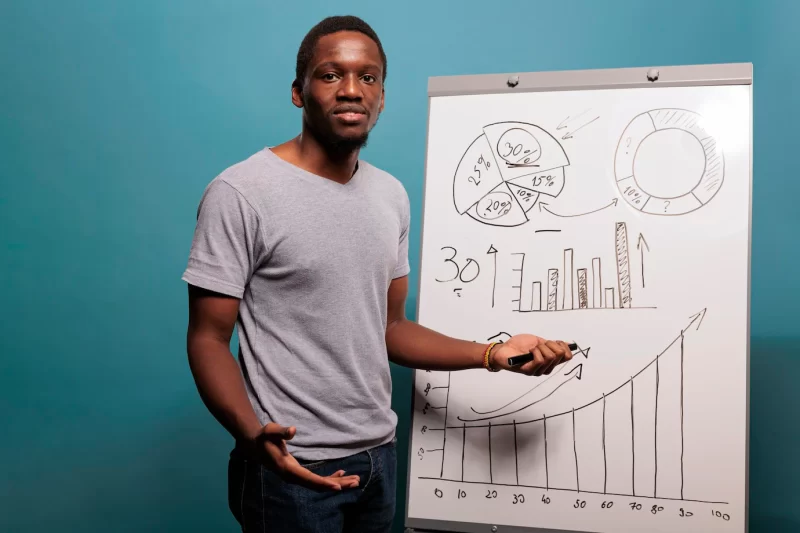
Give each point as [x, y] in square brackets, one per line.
[350, 114]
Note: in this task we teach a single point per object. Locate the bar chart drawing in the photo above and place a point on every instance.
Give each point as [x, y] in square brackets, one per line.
[578, 285]
[569, 451]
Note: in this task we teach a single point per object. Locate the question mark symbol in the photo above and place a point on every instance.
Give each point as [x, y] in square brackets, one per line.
[627, 144]
[666, 205]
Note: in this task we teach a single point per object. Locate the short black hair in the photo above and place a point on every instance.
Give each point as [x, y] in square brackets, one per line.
[328, 26]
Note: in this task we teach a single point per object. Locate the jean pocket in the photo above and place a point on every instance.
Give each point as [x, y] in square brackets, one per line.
[313, 465]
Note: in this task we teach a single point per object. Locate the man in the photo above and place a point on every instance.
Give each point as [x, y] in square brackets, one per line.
[304, 247]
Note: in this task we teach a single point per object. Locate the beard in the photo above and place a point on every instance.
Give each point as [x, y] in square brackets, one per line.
[335, 143]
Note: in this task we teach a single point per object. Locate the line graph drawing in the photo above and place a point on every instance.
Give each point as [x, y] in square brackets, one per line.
[667, 163]
[505, 170]
[563, 451]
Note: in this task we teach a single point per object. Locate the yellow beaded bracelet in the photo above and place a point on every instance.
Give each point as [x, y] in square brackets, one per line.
[486, 364]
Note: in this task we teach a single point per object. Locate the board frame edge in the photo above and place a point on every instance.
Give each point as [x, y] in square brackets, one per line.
[696, 75]
[613, 78]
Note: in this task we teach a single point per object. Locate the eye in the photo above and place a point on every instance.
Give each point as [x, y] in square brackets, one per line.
[369, 78]
[330, 76]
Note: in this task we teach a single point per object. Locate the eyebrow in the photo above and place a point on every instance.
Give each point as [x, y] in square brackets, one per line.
[334, 64]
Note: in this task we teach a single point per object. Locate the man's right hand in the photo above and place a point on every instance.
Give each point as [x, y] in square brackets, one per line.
[270, 448]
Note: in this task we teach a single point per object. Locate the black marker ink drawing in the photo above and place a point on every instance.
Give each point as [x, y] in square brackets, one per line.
[565, 450]
[573, 124]
[666, 163]
[504, 172]
[578, 286]
[543, 207]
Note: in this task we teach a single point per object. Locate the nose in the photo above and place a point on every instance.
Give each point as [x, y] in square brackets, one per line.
[349, 88]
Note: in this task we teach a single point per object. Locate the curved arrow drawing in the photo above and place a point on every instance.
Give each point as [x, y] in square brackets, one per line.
[543, 205]
[577, 375]
[582, 351]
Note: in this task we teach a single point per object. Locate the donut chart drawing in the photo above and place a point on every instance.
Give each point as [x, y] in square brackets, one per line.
[505, 170]
[666, 163]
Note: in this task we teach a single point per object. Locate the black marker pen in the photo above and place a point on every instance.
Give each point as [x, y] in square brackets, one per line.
[524, 358]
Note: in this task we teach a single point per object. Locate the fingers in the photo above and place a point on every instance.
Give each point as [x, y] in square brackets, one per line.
[551, 357]
[547, 356]
[532, 367]
[296, 473]
[561, 354]
[286, 466]
[567, 351]
[276, 430]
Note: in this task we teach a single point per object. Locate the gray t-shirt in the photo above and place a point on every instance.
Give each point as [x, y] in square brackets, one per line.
[311, 260]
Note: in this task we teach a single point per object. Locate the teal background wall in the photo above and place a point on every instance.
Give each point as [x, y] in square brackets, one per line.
[115, 115]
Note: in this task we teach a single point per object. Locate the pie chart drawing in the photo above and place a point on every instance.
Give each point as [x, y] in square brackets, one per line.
[504, 172]
[666, 163]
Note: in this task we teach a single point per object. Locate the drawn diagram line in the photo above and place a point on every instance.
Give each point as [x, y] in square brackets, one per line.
[681, 414]
[671, 344]
[575, 451]
[521, 408]
[563, 123]
[569, 135]
[584, 352]
[633, 445]
[444, 435]
[605, 463]
[543, 206]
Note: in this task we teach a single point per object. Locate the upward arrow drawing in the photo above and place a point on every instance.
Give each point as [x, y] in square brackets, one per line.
[493, 252]
[642, 248]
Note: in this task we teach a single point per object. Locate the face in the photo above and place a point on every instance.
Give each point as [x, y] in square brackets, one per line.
[343, 91]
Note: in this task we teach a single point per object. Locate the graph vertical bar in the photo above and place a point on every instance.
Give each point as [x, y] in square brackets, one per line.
[490, 452]
[623, 265]
[516, 453]
[681, 414]
[536, 296]
[546, 472]
[575, 451]
[444, 431]
[633, 447]
[583, 296]
[655, 441]
[521, 268]
[609, 299]
[605, 461]
[552, 289]
[597, 284]
[463, 449]
[568, 297]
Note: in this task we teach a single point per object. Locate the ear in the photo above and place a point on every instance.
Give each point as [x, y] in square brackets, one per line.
[383, 100]
[297, 94]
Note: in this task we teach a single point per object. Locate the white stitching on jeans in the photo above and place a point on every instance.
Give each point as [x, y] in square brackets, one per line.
[369, 454]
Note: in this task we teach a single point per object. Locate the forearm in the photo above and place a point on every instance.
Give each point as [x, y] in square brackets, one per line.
[221, 387]
[412, 345]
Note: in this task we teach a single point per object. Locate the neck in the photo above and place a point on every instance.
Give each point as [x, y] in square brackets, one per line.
[306, 152]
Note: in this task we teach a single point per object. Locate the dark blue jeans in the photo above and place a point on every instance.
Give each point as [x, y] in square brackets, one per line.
[262, 502]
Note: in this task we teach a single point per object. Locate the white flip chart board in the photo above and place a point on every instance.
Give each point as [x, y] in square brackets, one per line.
[612, 210]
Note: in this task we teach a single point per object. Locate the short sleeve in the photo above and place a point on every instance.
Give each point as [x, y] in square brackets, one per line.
[403, 267]
[226, 241]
